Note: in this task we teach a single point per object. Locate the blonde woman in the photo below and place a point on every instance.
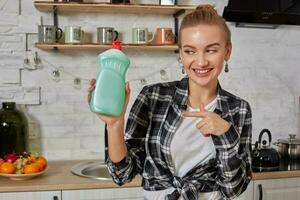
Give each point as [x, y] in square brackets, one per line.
[188, 139]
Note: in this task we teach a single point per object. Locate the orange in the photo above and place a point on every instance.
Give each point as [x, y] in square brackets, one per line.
[7, 168]
[31, 168]
[41, 161]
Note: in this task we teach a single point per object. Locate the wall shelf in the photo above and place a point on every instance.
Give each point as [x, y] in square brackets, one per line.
[49, 6]
[94, 46]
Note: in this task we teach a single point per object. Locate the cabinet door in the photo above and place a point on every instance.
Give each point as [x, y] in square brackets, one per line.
[104, 194]
[247, 194]
[277, 189]
[47, 195]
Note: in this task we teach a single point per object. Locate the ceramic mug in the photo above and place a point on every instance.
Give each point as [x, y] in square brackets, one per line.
[106, 35]
[49, 33]
[141, 36]
[165, 36]
[73, 34]
[167, 2]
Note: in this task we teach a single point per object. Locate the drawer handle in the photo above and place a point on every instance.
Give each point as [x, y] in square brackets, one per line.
[260, 192]
[55, 198]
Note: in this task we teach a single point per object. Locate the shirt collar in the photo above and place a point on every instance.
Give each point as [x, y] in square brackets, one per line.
[181, 94]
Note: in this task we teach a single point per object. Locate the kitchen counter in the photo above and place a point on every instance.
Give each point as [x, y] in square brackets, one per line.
[59, 177]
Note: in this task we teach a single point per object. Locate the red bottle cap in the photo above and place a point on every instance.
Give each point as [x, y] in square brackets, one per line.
[116, 45]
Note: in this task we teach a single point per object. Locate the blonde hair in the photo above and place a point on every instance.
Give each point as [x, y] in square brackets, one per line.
[204, 14]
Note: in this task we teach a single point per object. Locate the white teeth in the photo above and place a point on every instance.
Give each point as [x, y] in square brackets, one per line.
[198, 71]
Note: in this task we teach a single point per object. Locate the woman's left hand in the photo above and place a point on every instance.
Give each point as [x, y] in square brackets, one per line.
[211, 123]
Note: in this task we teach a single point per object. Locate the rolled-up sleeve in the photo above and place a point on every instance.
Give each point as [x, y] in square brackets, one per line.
[234, 155]
[136, 129]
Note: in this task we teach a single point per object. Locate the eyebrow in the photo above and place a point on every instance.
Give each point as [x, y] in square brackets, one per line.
[210, 45]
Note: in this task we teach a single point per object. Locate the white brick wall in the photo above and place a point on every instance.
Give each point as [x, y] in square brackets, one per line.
[264, 70]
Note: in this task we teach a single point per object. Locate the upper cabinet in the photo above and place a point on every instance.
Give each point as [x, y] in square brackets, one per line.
[71, 7]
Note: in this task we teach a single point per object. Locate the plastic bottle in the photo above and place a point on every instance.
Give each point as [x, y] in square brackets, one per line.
[108, 98]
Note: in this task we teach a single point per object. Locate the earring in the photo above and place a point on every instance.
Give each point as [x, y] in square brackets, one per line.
[181, 65]
[226, 67]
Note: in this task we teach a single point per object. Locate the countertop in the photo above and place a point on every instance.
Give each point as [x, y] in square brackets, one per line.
[59, 177]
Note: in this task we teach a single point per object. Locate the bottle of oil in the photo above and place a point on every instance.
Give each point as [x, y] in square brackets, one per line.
[13, 130]
[108, 98]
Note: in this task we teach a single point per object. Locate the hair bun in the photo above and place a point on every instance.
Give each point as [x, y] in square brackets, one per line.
[206, 8]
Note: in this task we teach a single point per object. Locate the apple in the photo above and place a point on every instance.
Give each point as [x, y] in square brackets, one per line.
[12, 157]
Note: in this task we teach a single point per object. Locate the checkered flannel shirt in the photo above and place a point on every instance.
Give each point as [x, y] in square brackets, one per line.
[151, 124]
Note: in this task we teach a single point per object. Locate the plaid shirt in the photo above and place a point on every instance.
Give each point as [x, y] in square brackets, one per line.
[152, 122]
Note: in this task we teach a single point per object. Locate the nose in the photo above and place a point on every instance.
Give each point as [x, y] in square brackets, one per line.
[201, 60]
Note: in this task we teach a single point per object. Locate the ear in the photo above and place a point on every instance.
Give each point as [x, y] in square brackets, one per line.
[228, 51]
[180, 53]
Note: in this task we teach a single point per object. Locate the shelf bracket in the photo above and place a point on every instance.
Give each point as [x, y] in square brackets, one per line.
[55, 20]
[26, 40]
[176, 25]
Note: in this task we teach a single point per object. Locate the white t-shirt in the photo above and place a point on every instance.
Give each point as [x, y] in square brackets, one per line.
[189, 148]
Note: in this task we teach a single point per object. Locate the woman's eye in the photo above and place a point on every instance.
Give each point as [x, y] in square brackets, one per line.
[211, 51]
[189, 52]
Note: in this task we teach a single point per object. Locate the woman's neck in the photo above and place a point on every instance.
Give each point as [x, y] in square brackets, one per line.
[201, 95]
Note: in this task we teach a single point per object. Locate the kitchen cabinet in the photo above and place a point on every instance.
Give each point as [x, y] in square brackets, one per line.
[133, 193]
[277, 189]
[45, 195]
[104, 194]
[71, 7]
[248, 194]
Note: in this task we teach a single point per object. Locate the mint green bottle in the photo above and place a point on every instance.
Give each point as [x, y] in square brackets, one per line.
[108, 98]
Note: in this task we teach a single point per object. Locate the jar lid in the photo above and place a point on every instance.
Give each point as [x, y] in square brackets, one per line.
[291, 140]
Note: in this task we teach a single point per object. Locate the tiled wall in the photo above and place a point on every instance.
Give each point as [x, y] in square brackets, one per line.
[264, 69]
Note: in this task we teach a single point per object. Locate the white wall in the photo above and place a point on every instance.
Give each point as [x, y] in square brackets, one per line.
[264, 70]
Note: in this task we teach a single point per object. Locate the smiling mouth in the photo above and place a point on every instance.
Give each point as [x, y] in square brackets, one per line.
[202, 71]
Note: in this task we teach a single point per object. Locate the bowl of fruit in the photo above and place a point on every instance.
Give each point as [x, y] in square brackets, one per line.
[23, 166]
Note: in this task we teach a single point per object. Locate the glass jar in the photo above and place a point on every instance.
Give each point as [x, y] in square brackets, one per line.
[13, 130]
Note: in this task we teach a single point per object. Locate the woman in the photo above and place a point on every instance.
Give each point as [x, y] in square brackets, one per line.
[189, 139]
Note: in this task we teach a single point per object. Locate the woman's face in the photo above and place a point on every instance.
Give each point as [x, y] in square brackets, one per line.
[203, 51]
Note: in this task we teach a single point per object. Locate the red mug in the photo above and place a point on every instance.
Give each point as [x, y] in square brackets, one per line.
[165, 36]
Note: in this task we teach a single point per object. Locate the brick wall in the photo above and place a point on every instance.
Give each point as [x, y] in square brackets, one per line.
[263, 69]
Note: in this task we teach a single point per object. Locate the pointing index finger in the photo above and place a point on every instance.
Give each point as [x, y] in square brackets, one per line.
[194, 114]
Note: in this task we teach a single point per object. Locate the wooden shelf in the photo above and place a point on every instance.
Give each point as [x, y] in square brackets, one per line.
[47, 6]
[93, 46]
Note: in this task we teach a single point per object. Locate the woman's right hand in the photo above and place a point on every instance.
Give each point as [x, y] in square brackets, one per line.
[111, 120]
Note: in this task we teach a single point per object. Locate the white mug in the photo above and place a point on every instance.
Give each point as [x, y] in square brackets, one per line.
[167, 2]
[142, 36]
[73, 34]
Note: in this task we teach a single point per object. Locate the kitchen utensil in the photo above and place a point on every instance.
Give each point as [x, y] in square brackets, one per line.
[49, 33]
[289, 165]
[167, 2]
[164, 36]
[141, 36]
[73, 34]
[289, 148]
[264, 158]
[106, 35]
